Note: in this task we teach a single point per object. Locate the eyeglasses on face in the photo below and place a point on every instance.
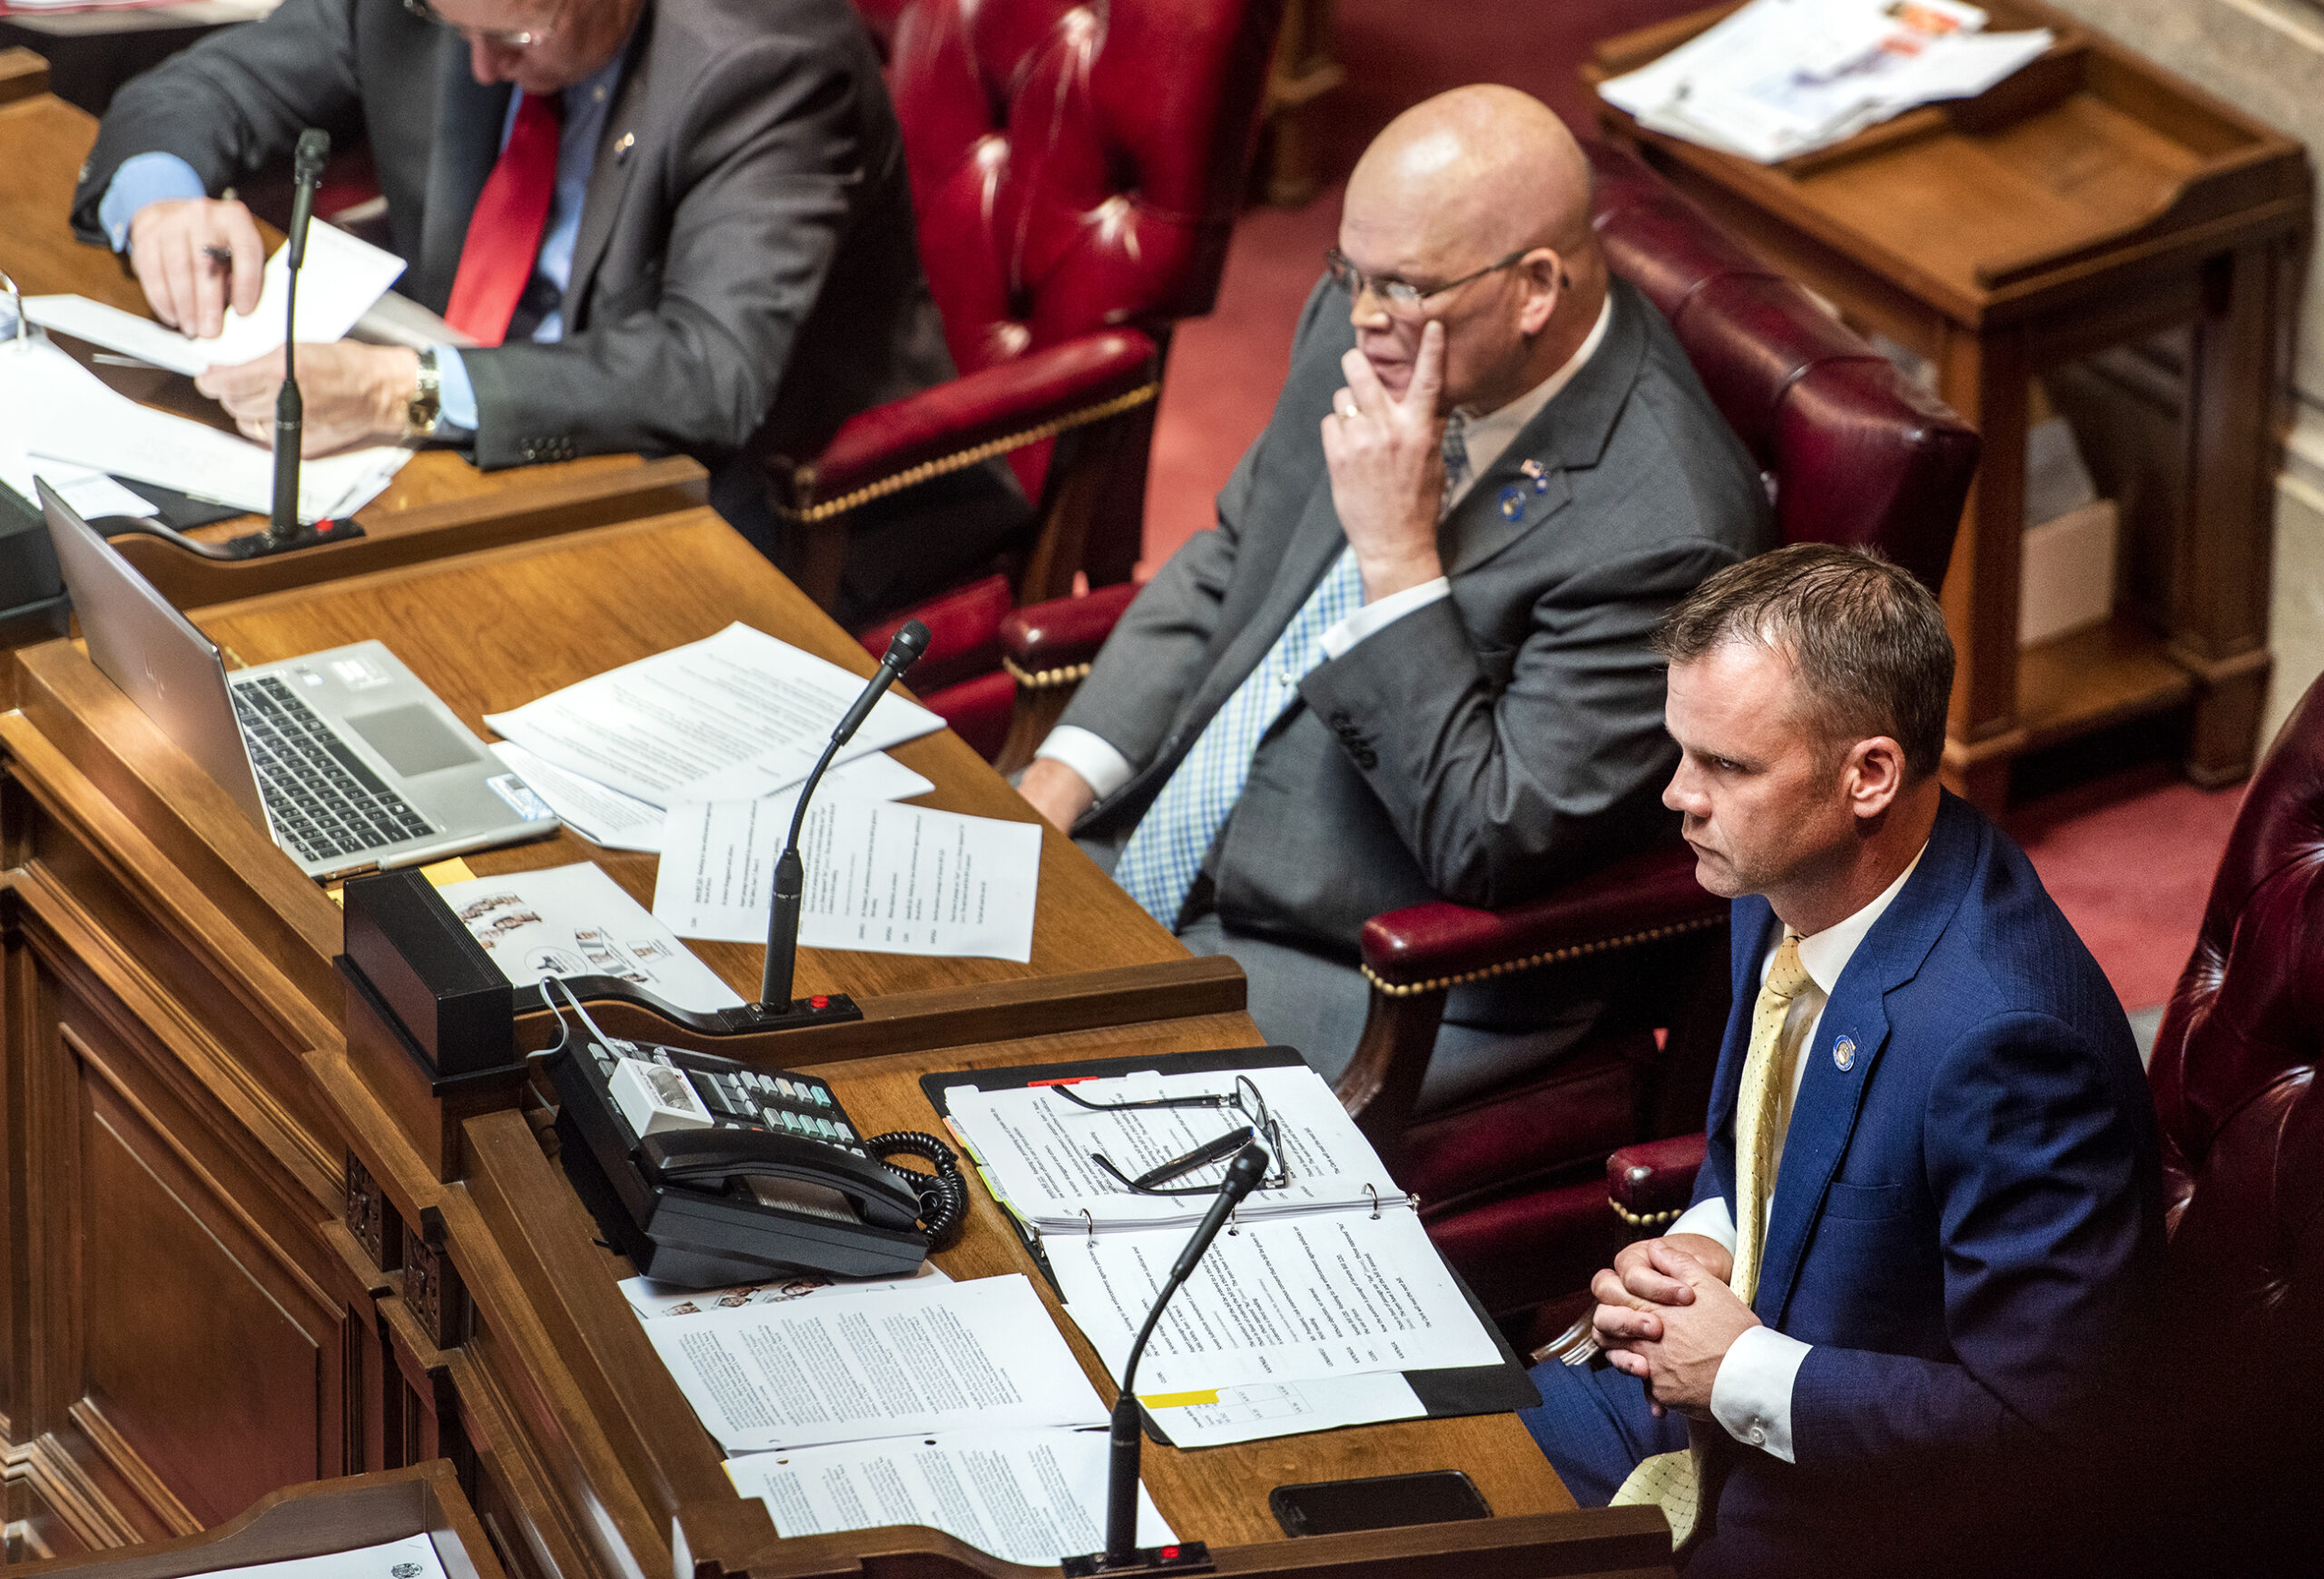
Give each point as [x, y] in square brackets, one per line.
[1403, 295]
[1243, 1099]
[499, 37]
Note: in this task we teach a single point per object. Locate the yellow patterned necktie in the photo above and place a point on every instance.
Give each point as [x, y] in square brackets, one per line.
[1673, 1481]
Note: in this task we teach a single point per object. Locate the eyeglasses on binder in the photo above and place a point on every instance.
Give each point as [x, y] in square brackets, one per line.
[1243, 1099]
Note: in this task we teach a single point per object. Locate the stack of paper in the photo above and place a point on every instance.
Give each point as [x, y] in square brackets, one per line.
[918, 1401]
[576, 921]
[58, 419]
[1779, 78]
[1307, 1315]
[698, 754]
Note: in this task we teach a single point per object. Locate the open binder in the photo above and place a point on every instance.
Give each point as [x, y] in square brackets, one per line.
[1443, 1392]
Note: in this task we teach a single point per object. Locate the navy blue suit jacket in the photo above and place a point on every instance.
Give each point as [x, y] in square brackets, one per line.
[1968, 1224]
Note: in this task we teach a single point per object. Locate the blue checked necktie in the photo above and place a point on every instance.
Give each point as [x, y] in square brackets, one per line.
[1159, 864]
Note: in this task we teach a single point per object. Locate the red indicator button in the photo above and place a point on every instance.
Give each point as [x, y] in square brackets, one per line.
[1170, 1553]
[819, 1001]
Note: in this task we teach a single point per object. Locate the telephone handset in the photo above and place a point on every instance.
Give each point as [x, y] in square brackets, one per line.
[704, 1170]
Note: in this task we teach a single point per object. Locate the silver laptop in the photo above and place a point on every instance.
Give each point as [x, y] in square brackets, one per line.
[344, 756]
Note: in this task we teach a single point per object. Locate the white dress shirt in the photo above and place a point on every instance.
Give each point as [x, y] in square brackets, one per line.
[1106, 770]
[1751, 1394]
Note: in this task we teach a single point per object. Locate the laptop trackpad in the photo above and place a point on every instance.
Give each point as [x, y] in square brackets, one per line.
[412, 738]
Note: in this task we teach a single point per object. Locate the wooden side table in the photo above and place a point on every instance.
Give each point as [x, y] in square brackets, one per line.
[2091, 199]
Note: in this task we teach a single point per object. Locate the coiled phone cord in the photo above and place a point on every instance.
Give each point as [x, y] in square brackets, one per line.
[944, 1195]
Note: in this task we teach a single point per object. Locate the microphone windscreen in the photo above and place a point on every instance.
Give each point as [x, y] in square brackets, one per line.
[908, 645]
[314, 147]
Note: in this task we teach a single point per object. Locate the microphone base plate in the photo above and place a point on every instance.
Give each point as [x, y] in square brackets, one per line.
[1183, 1558]
[822, 1008]
[259, 545]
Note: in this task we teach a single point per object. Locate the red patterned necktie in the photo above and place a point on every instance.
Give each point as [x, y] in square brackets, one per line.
[504, 232]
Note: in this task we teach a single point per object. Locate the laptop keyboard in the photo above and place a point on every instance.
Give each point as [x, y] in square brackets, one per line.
[325, 802]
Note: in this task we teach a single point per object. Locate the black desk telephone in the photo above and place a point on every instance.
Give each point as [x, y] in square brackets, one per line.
[704, 1170]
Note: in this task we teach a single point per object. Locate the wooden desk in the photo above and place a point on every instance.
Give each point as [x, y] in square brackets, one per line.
[237, 1261]
[309, 1521]
[2091, 199]
[439, 504]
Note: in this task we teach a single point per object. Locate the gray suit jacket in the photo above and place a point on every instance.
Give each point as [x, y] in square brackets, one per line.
[746, 273]
[1479, 749]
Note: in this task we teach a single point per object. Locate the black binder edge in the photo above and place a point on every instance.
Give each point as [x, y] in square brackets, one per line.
[1445, 1392]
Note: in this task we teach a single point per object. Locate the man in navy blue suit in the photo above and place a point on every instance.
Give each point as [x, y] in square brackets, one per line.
[1928, 1229]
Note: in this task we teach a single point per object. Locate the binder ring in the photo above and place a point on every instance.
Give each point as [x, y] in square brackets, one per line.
[1090, 1225]
[1374, 1191]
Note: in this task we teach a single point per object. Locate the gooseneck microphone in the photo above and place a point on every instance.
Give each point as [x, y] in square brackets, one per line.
[1243, 1175]
[790, 872]
[290, 411]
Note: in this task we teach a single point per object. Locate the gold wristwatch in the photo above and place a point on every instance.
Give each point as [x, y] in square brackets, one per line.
[423, 415]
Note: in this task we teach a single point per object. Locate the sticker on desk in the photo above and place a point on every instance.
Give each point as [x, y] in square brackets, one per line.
[359, 673]
[1213, 1416]
[520, 796]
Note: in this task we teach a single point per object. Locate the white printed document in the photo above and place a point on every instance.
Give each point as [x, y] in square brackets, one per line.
[409, 1557]
[1028, 1496]
[605, 818]
[340, 278]
[1213, 1416]
[1287, 1300]
[53, 410]
[576, 921]
[1037, 1147]
[982, 1355]
[734, 717]
[886, 878]
[651, 1299]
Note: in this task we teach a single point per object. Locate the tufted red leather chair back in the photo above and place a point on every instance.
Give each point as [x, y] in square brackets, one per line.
[1074, 166]
[2242, 1129]
[2234, 1064]
[1854, 452]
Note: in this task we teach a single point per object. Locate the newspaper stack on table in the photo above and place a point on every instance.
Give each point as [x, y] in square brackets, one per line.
[1779, 78]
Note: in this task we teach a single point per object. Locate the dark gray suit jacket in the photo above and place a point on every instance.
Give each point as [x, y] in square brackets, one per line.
[746, 274]
[1481, 748]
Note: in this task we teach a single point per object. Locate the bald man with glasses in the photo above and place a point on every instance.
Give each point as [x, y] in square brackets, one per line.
[668, 225]
[1412, 659]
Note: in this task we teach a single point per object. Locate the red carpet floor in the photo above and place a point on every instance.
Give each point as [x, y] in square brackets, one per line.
[2129, 857]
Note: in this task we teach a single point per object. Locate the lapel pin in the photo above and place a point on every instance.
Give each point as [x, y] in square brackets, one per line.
[1537, 472]
[1844, 1053]
[1512, 502]
[628, 141]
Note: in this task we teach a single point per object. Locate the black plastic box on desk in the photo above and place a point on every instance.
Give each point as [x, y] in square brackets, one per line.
[431, 1021]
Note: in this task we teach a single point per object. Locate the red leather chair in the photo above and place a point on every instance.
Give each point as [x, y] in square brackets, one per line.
[1853, 453]
[1076, 168]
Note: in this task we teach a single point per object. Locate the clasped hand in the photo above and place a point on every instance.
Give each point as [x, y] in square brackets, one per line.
[1386, 461]
[1666, 1315]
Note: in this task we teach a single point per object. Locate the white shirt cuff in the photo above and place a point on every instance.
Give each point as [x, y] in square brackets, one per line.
[1372, 616]
[1751, 1394]
[1101, 768]
[1710, 1219]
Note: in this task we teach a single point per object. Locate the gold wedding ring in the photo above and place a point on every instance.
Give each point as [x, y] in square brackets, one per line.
[1347, 413]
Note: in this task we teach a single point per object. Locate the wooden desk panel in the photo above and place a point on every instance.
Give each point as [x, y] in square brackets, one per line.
[492, 631]
[180, 1100]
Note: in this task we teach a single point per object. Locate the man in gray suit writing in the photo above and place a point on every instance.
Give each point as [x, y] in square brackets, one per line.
[1412, 661]
[663, 224]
